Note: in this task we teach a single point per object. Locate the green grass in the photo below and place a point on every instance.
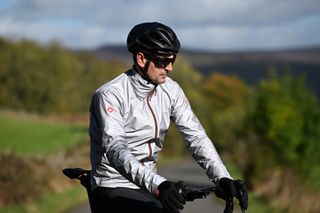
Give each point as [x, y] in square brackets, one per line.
[51, 203]
[35, 137]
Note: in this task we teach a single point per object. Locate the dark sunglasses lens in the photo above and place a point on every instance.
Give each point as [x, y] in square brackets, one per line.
[164, 62]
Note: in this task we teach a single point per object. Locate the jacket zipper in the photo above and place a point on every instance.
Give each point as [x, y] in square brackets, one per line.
[155, 123]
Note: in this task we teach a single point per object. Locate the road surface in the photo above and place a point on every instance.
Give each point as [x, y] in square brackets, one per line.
[189, 172]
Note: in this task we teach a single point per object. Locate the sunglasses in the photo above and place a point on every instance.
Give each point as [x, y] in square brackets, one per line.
[161, 62]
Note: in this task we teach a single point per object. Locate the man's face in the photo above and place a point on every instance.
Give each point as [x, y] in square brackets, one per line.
[159, 68]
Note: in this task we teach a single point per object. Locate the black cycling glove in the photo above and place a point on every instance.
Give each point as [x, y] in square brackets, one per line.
[170, 196]
[226, 191]
[241, 194]
[229, 188]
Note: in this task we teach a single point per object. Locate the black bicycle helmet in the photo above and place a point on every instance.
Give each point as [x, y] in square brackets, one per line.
[152, 38]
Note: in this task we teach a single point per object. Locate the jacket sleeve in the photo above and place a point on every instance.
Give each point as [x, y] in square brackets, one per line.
[109, 113]
[196, 139]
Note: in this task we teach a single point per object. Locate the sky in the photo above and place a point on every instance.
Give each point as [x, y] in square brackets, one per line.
[218, 25]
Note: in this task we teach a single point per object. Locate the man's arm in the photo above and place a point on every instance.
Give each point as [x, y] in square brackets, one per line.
[196, 139]
[204, 152]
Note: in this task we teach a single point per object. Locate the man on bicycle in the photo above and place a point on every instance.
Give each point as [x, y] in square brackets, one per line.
[129, 117]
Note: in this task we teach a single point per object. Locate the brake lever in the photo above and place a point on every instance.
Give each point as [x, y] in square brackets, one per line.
[229, 206]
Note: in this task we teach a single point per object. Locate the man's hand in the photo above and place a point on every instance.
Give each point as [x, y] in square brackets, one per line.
[228, 190]
[233, 188]
[170, 197]
[241, 194]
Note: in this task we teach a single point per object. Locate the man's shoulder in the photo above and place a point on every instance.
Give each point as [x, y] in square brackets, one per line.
[170, 85]
[112, 86]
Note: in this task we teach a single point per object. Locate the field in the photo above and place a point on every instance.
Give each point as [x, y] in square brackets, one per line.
[28, 136]
[40, 146]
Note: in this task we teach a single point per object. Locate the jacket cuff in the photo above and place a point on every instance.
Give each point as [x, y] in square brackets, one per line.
[155, 190]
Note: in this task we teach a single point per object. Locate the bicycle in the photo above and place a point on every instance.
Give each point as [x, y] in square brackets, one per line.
[191, 192]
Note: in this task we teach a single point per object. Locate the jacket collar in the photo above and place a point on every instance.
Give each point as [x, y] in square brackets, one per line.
[141, 87]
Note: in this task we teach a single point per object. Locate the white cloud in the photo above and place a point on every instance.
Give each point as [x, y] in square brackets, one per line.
[228, 24]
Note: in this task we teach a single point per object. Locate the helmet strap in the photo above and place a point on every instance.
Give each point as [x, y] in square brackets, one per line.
[143, 71]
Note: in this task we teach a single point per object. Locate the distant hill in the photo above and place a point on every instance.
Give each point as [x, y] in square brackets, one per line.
[250, 66]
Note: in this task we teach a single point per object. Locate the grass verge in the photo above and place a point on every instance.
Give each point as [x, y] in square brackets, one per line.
[50, 203]
[30, 137]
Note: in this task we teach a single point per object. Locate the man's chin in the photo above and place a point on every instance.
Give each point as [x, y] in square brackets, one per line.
[162, 80]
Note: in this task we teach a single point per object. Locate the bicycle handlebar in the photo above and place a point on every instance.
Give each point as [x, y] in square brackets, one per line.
[191, 192]
[195, 192]
[199, 192]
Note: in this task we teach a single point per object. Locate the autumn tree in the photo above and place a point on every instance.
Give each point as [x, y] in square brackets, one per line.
[226, 98]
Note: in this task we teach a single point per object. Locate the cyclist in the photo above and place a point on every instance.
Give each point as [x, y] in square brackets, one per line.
[129, 117]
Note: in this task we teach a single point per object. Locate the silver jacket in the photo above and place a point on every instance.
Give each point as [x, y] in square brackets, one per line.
[128, 122]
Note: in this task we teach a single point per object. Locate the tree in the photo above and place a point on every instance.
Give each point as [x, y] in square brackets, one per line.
[226, 98]
[49, 79]
[283, 125]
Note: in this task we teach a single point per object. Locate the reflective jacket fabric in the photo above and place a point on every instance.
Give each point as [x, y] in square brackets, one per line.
[128, 122]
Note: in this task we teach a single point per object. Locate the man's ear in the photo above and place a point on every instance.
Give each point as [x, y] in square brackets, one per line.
[141, 60]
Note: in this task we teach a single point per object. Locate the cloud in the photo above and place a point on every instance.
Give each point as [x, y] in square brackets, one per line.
[211, 24]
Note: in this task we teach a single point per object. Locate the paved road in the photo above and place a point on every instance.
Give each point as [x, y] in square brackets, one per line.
[191, 173]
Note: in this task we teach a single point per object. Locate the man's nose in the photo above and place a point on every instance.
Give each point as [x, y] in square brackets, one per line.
[169, 67]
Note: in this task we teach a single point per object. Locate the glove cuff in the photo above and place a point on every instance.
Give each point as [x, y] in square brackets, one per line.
[164, 185]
